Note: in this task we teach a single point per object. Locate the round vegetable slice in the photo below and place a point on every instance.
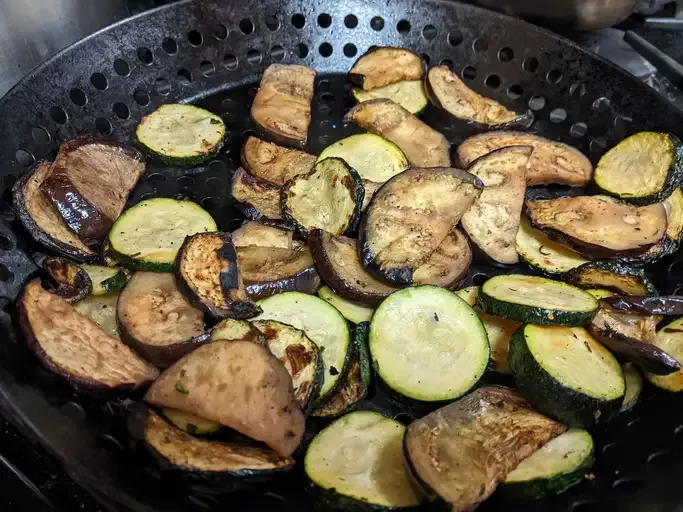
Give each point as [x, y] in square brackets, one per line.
[105, 279]
[410, 94]
[634, 385]
[352, 311]
[543, 254]
[101, 310]
[670, 339]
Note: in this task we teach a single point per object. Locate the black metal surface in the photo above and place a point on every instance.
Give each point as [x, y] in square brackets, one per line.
[106, 83]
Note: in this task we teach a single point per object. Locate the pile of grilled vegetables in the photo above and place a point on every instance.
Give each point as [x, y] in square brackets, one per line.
[345, 279]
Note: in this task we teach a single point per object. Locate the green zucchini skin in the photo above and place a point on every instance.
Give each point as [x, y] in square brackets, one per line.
[185, 161]
[574, 276]
[139, 265]
[115, 283]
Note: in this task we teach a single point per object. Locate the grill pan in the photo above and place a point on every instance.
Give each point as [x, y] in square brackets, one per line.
[212, 53]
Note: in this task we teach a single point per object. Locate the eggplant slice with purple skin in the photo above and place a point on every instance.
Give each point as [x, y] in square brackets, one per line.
[75, 348]
[272, 163]
[256, 198]
[447, 266]
[207, 273]
[668, 305]
[72, 283]
[89, 184]
[447, 91]
[385, 65]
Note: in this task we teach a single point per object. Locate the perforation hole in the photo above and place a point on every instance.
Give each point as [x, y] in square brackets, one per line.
[277, 53]
[515, 91]
[469, 73]
[40, 135]
[6, 274]
[254, 57]
[99, 81]
[492, 81]
[530, 65]
[426, 58]
[121, 67]
[219, 31]
[325, 49]
[429, 32]
[162, 86]
[455, 38]
[230, 62]
[324, 20]
[448, 63]
[78, 97]
[298, 21]
[506, 54]
[628, 485]
[207, 68]
[184, 76]
[195, 38]
[480, 45]
[350, 50]
[103, 126]
[301, 50]
[403, 27]
[350, 21]
[5, 243]
[587, 506]
[246, 26]
[121, 110]
[554, 76]
[558, 115]
[156, 178]
[272, 23]
[145, 56]
[24, 158]
[377, 23]
[578, 130]
[185, 181]
[597, 146]
[169, 46]
[58, 115]
[577, 88]
[536, 103]
[479, 279]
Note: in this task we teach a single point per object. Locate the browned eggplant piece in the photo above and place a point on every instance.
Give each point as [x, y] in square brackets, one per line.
[272, 163]
[462, 451]
[551, 162]
[156, 319]
[385, 65]
[447, 266]
[422, 145]
[264, 235]
[42, 220]
[282, 106]
[73, 347]
[238, 384]
[256, 198]
[646, 305]
[446, 90]
[231, 330]
[599, 226]
[89, 184]
[492, 222]
[611, 275]
[371, 188]
[72, 283]
[206, 271]
[410, 216]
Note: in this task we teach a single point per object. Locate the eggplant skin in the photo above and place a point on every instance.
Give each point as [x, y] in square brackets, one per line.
[387, 75]
[306, 281]
[162, 356]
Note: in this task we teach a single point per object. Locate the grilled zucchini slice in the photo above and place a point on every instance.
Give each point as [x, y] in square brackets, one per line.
[410, 94]
[542, 253]
[101, 310]
[190, 423]
[256, 198]
[272, 163]
[382, 66]
[231, 329]
[352, 311]
[105, 279]
[612, 275]
[634, 386]
[670, 339]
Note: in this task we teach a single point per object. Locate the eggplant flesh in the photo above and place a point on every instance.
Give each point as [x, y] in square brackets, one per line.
[263, 235]
[257, 198]
[385, 65]
[647, 305]
[447, 266]
[72, 282]
[272, 163]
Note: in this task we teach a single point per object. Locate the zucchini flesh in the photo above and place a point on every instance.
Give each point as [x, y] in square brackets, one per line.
[670, 339]
[148, 235]
[634, 385]
[352, 311]
[428, 344]
[105, 279]
[359, 458]
[410, 94]
[231, 329]
[190, 423]
[101, 310]
[537, 300]
[540, 252]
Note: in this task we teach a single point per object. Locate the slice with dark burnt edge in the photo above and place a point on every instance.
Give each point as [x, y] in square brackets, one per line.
[670, 305]
[67, 280]
[634, 386]
[282, 106]
[75, 348]
[272, 163]
[156, 319]
[256, 198]
[101, 310]
[447, 266]
[447, 91]
[462, 451]
[410, 216]
[183, 452]
[410, 94]
[670, 339]
[612, 275]
[354, 312]
[543, 254]
[371, 188]
[422, 145]
[299, 355]
[644, 168]
[336, 258]
[640, 327]
[238, 384]
[493, 220]
[42, 220]
[551, 162]
[231, 329]
[106, 279]
[206, 272]
[599, 226]
[89, 184]
[190, 423]
[385, 65]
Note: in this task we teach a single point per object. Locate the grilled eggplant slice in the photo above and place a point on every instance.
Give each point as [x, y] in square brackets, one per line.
[410, 94]
[328, 198]
[42, 220]
[105, 279]
[493, 220]
[646, 305]
[231, 329]
[642, 169]
[543, 254]
[272, 163]
[72, 283]
[409, 218]
[256, 198]
[354, 312]
[101, 310]
[190, 423]
[73, 347]
[422, 145]
[551, 162]
[447, 266]
[89, 184]
[382, 66]
[206, 271]
[157, 320]
[670, 339]
[259, 234]
[634, 386]
[612, 275]
[371, 188]
[599, 226]
[238, 384]
[447, 91]
[282, 106]
[463, 450]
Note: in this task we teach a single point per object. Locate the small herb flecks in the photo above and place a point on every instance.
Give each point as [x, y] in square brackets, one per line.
[436, 317]
[180, 388]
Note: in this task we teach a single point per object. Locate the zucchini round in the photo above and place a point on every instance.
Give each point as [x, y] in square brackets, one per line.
[612, 275]
[190, 423]
[231, 329]
[670, 339]
[352, 311]
[634, 385]
[101, 310]
[410, 94]
[105, 279]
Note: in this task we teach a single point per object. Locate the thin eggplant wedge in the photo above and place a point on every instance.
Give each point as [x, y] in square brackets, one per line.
[410, 94]
[328, 198]
[272, 163]
[668, 305]
[599, 226]
[612, 275]
[670, 339]
[238, 384]
[206, 271]
[447, 266]
[462, 451]
[89, 184]
[540, 252]
[231, 329]
[282, 106]
[256, 198]
[42, 220]
[157, 320]
[75, 348]
[551, 162]
[382, 66]
[72, 283]
[492, 222]
[447, 91]
[642, 169]
[422, 145]
[410, 216]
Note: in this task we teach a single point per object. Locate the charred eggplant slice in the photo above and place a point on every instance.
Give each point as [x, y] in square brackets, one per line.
[385, 65]
[492, 222]
[421, 144]
[551, 162]
[101, 310]
[272, 163]
[542, 253]
[670, 339]
[612, 275]
[156, 320]
[231, 329]
[447, 266]
[599, 226]
[354, 312]
[410, 216]
[371, 188]
[238, 384]
[257, 198]
[447, 91]
[463, 450]
[89, 184]
[644, 168]
[646, 305]
[259, 234]
[191, 423]
[282, 106]
[106, 279]
[410, 94]
[72, 283]
[328, 198]
[75, 348]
